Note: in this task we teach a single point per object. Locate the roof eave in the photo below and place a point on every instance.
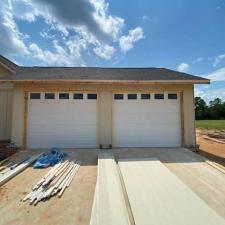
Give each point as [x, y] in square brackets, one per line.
[8, 68]
[200, 81]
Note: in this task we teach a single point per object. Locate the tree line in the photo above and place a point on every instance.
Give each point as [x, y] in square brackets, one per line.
[215, 110]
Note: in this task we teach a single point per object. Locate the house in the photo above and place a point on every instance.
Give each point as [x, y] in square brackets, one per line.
[90, 107]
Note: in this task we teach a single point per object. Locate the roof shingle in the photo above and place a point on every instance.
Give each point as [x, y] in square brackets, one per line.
[94, 73]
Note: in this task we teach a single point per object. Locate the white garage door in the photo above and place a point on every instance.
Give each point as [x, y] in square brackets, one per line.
[146, 120]
[62, 120]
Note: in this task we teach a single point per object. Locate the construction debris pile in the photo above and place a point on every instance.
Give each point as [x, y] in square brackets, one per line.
[54, 182]
[10, 168]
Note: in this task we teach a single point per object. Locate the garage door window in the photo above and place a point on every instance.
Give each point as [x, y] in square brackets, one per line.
[118, 96]
[35, 95]
[78, 96]
[145, 96]
[64, 96]
[159, 96]
[49, 95]
[92, 96]
[132, 96]
[172, 96]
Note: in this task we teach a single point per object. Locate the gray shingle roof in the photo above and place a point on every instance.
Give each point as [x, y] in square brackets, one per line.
[9, 64]
[103, 74]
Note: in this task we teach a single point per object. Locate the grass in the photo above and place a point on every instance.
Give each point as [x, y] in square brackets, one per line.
[210, 124]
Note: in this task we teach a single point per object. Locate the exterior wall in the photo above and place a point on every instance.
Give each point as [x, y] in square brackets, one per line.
[17, 132]
[105, 106]
[189, 117]
[105, 118]
[5, 107]
[5, 113]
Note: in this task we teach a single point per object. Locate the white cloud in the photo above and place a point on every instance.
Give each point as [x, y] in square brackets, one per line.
[218, 59]
[105, 51]
[24, 10]
[11, 41]
[82, 30]
[90, 14]
[58, 57]
[209, 94]
[127, 42]
[218, 75]
[145, 18]
[200, 59]
[183, 67]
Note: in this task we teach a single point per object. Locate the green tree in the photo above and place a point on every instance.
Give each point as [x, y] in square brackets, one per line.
[201, 109]
[216, 109]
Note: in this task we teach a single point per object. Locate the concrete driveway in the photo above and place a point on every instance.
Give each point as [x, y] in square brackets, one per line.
[76, 203]
[206, 181]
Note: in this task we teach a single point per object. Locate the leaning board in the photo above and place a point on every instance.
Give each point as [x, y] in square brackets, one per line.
[158, 197]
[109, 206]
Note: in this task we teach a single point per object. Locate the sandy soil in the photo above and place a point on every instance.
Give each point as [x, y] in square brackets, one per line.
[211, 149]
[74, 207]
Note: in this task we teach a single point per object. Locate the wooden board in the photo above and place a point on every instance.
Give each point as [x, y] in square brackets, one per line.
[109, 205]
[12, 173]
[158, 197]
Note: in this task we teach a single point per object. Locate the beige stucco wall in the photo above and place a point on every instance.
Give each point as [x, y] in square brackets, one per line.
[104, 106]
[18, 116]
[5, 107]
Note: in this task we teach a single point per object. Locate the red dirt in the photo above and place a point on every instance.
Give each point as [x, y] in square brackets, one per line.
[211, 149]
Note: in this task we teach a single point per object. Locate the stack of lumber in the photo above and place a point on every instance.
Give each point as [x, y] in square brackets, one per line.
[10, 169]
[157, 196]
[54, 182]
[109, 206]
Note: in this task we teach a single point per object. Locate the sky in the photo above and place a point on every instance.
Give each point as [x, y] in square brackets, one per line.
[182, 35]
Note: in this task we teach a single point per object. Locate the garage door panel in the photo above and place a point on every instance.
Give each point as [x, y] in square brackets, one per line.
[149, 108]
[149, 125]
[148, 134]
[54, 139]
[64, 144]
[132, 142]
[58, 130]
[148, 120]
[146, 123]
[62, 123]
[59, 108]
[57, 119]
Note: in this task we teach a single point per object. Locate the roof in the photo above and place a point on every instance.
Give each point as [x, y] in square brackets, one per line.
[8, 64]
[94, 74]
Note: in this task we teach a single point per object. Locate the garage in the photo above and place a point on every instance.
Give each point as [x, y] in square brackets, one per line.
[62, 119]
[146, 120]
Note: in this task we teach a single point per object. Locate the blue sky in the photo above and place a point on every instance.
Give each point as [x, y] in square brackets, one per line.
[187, 36]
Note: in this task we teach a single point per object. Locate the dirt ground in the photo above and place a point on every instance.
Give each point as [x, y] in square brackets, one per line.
[74, 207]
[209, 148]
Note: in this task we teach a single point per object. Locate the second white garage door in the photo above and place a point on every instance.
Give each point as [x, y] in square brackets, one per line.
[146, 120]
[65, 120]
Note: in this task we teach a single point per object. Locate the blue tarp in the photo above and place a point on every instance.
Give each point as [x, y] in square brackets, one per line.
[50, 158]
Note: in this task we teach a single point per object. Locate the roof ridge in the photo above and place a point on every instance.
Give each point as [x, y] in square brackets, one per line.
[89, 67]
